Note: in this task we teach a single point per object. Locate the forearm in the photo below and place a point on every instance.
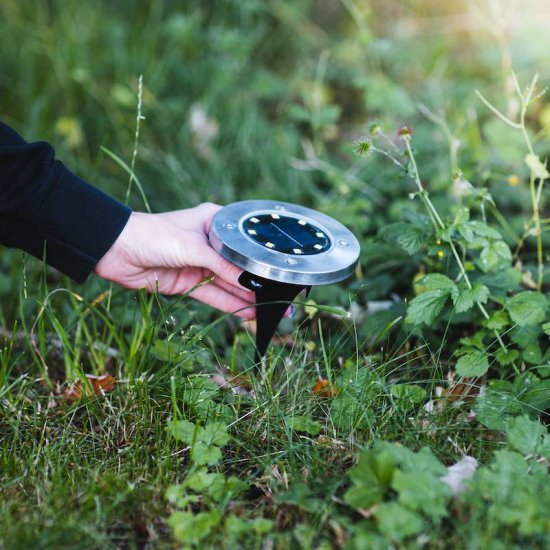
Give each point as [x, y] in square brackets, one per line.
[49, 212]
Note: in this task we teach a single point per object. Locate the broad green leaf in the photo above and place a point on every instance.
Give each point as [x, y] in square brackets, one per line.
[203, 453]
[201, 480]
[226, 488]
[437, 281]
[304, 424]
[526, 435]
[371, 477]
[506, 356]
[472, 364]
[408, 395]
[502, 282]
[396, 522]
[532, 354]
[464, 298]
[427, 306]
[169, 351]
[537, 167]
[410, 237]
[190, 528]
[214, 433]
[422, 491]
[497, 321]
[546, 328]
[495, 255]
[496, 405]
[527, 308]
[183, 430]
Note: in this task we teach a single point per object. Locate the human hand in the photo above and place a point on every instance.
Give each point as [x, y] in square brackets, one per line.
[170, 253]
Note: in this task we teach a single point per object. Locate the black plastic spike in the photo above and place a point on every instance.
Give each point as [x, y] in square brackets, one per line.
[272, 299]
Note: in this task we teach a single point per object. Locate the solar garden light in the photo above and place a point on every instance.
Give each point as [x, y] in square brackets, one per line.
[283, 248]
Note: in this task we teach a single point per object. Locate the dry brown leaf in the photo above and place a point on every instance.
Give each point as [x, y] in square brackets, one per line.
[323, 388]
[99, 384]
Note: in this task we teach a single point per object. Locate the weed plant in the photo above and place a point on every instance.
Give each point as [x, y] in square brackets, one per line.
[403, 409]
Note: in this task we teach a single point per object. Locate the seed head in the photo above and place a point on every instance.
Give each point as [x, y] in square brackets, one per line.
[362, 146]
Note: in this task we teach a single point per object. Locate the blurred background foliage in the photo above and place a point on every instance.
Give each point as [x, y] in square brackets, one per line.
[263, 99]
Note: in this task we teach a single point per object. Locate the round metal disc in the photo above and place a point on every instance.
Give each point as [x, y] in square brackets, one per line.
[332, 260]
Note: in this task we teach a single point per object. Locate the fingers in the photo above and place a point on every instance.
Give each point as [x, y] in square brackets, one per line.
[219, 298]
[219, 266]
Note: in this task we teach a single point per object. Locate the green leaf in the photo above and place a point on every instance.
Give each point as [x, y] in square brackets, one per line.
[408, 395]
[427, 306]
[214, 433]
[497, 321]
[191, 528]
[497, 405]
[495, 255]
[169, 351]
[479, 229]
[397, 522]
[546, 328]
[422, 491]
[506, 356]
[527, 308]
[437, 281]
[411, 238]
[371, 477]
[182, 430]
[304, 424]
[532, 354]
[472, 364]
[526, 435]
[203, 453]
[464, 298]
[537, 167]
[502, 282]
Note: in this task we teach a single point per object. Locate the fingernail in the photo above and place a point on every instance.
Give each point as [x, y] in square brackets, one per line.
[290, 312]
[249, 281]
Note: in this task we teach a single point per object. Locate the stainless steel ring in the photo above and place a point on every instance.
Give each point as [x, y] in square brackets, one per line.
[335, 264]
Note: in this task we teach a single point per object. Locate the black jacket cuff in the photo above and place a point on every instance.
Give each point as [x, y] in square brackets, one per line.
[72, 229]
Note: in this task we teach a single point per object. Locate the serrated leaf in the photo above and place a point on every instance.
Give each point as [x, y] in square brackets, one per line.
[304, 424]
[427, 306]
[190, 528]
[526, 435]
[465, 298]
[537, 167]
[422, 491]
[214, 433]
[397, 522]
[496, 405]
[410, 237]
[183, 430]
[506, 356]
[527, 308]
[475, 228]
[437, 281]
[472, 364]
[205, 454]
[497, 321]
[408, 395]
[494, 256]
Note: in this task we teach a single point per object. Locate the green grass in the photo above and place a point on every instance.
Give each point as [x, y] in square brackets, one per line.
[288, 87]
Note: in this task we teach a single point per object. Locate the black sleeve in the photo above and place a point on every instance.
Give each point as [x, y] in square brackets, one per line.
[50, 212]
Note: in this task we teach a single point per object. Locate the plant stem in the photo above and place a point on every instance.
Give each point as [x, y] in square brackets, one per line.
[424, 195]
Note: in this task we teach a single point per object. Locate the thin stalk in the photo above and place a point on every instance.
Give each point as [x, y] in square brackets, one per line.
[431, 208]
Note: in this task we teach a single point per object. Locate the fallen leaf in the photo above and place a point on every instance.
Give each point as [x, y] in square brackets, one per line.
[323, 388]
[99, 384]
